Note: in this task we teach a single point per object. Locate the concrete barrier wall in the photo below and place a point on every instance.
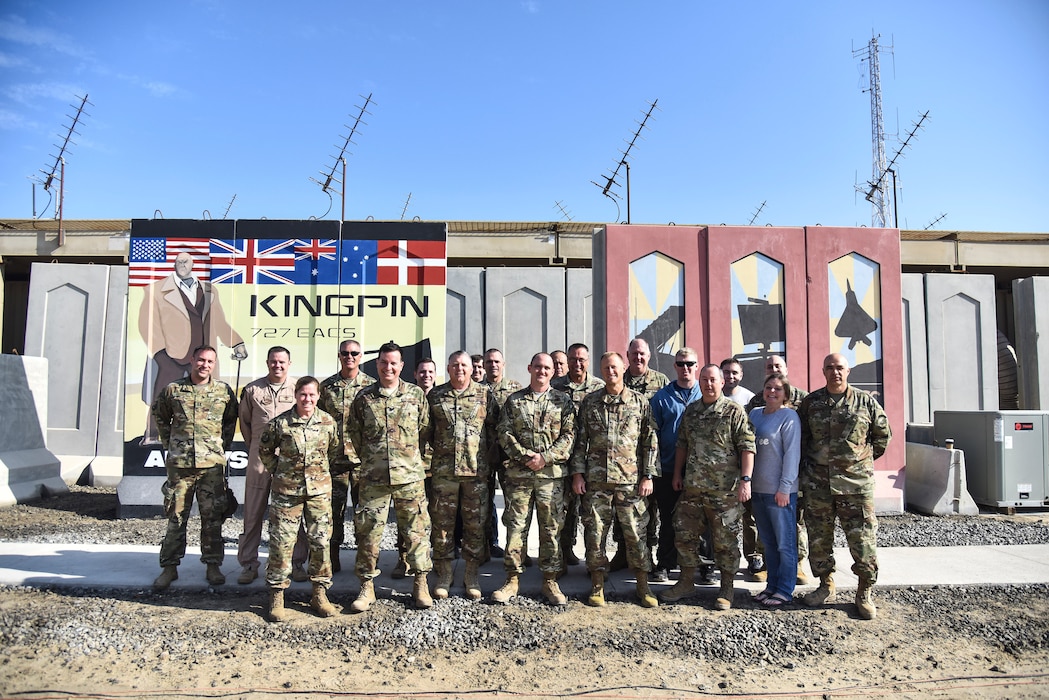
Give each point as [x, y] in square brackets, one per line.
[26, 465]
[524, 314]
[915, 350]
[936, 481]
[962, 341]
[1031, 318]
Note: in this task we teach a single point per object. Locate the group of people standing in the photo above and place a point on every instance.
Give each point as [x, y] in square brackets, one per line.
[665, 462]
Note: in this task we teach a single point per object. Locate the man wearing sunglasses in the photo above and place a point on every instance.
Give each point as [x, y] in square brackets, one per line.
[337, 394]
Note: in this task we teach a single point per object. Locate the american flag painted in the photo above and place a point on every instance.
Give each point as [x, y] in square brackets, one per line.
[253, 261]
[152, 259]
[411, 262]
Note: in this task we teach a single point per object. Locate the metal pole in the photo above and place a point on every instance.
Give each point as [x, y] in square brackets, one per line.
[343, 159]
[61, 203]
[627, 164]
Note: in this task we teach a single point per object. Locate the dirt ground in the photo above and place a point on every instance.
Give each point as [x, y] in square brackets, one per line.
[974, 642]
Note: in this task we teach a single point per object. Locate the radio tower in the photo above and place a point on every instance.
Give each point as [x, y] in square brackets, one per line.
[881, 201]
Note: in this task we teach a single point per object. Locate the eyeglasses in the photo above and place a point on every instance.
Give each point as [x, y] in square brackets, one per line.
[349, 353]
[686, 363]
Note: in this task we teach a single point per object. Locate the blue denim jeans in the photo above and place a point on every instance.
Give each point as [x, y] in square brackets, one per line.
[778, 528]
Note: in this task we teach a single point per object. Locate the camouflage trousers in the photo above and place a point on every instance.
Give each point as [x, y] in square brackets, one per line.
[468, 496]
[343, 491]
[601, 504]
[855, 512]
[286, 514]
[698, 511]
[413, 524]
[548, 498]
[209, 486]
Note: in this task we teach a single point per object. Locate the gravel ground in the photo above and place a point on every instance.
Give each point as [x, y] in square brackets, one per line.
[931, 642]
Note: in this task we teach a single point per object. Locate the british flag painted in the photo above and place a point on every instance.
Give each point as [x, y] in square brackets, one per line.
[411, 262]
[253, 261]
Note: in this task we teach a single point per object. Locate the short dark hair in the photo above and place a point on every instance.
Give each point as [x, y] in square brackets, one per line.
[201, 348]
[731, 361]
[476, 358]
[424, 361]
[304, 381]
[579, 346]
[391, 347]
[278, 348]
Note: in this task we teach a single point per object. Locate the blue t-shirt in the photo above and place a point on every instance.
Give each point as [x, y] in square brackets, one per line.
[778, 439]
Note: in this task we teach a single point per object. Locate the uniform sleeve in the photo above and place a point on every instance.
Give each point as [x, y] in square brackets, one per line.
[334, 450]
[424, 421]
[161, 410]
[426, 437]
[268, 444]
[806, 431]
[229, 419]
[744, 432]
[491, 423]
[561, 449]
[245, 411]
[582, 442]
[880, 433]
[507, 438]
[354, 426]
[648, 445]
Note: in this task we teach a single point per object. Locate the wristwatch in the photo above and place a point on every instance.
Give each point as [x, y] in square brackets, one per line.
[745, 479]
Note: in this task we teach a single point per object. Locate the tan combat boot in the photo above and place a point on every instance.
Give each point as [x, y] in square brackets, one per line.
[551, 591]
[169, 574]
[803, 578]
[597, 589]
[276, 613]
[214, 575]
[365, 598]
[473, 587]
[421, 592]
[724, 599]
[864, 602]
[685, 586]
[401, 570]
[443, 573]
[823, 594]
[644, 593]
[320, 603]
[507, 591]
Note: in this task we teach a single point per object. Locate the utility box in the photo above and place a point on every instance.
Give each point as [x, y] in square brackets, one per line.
[1006, 454]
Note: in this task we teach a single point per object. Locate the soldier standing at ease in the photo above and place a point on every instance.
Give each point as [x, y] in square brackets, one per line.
[577, 383]
[536, 431]
[388, 421]
[712, 468]
[613, 464]
[297, 448]
[260, 402]
[843, 430]
[196, 418]
[463, 416]
[501, 387]
[337, 394]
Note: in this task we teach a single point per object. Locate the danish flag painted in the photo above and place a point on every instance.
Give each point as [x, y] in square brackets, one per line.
[411, 262]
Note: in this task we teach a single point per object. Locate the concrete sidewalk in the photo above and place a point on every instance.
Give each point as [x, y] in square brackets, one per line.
[135, 567]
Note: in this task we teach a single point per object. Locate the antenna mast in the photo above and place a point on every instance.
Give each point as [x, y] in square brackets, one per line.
[881, 213]
[624, 163]
[58, 168]
[564, 212]
[329, 174]
[757, 213]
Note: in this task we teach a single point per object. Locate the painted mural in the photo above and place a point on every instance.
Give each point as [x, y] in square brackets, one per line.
[657, 307]
[855, 318]
[758, 324]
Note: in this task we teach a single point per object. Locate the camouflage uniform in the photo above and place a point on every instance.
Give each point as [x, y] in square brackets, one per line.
[501, 390]
[751, 543]
[646, 384]
[615, 448]
[387, 432]
[577, 392]
[297, 452]
[840, 439]
[337, 395]
[196, 423]
[544, 424]
[713, 437]
[462, 433]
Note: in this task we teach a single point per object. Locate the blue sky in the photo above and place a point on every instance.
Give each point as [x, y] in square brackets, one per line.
[497, 110]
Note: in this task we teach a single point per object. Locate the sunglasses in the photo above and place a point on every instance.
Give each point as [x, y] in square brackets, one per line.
[349, 353]
[686, 363]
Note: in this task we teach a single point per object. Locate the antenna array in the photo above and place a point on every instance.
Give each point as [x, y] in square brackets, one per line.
[757, 213]
[879, 197]
[559, 205]
[610, 180]
[340, 158]
[55, 171]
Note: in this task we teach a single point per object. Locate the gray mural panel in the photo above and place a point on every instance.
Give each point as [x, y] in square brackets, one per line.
[916, 349]
[963, 343]
[1031, 316]
[524, 314]
[66, 324]
[464, 320]
[579, 308]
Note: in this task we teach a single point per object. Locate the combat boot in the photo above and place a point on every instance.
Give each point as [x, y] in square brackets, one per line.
[169, 574]
[473, 587]
[551, 591]
[320, 603]
[508, 590]
[864, 602]
[597, 589]
[214, 575]
[443, 573]
[336, 565]
[685, 586]
[823, 594]
[276, 613]
[724, 599]
[803, 578]
[365, 598]
[421, 592]
[644, 593]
